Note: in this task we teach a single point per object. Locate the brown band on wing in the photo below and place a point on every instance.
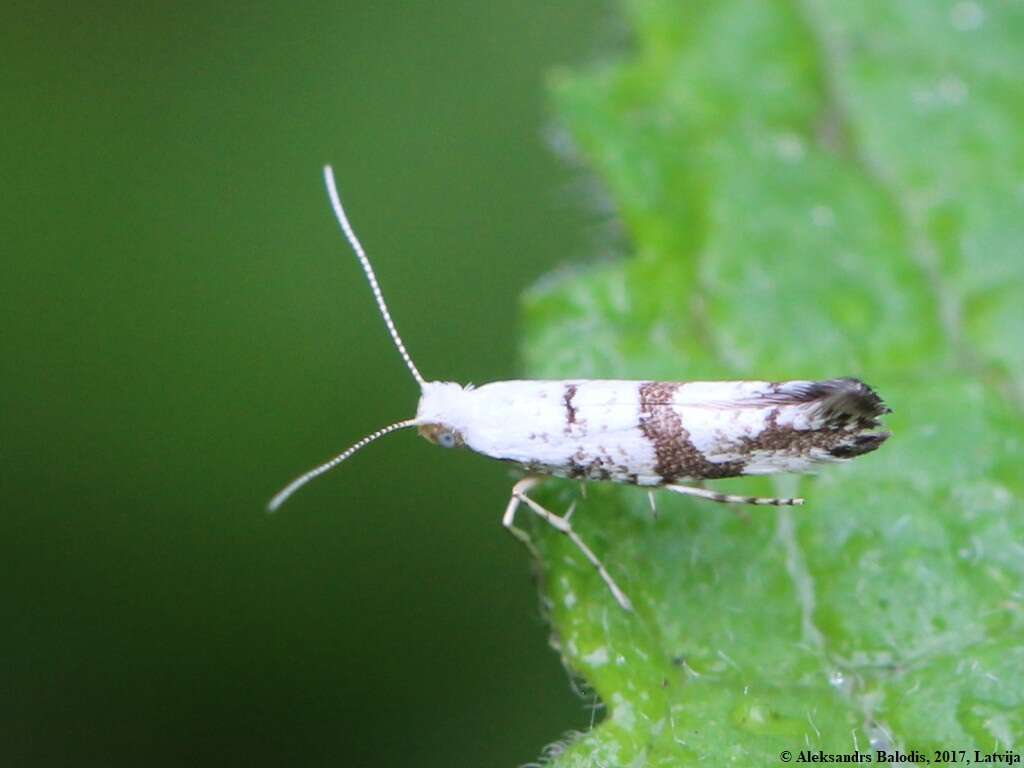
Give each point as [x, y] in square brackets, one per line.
[570, 409]
[676, 455]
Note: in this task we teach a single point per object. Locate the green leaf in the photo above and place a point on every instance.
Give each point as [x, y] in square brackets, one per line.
[808, 190]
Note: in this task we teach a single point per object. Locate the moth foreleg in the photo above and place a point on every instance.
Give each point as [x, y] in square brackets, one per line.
[563, 525]
[728, 498]
[508, 519]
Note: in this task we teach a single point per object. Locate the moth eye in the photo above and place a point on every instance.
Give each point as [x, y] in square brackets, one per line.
[446, 439]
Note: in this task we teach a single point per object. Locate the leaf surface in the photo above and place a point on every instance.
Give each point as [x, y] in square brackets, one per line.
[807, 190]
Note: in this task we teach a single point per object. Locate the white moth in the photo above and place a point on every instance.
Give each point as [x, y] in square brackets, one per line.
[645, 433]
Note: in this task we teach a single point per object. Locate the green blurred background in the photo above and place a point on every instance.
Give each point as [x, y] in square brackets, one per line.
[184, 330]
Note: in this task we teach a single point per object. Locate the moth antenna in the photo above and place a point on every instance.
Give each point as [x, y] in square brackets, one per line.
[350, 235]
[294, 485]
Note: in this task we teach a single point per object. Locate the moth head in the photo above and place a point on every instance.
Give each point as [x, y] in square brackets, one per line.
[444, 413]
[442, 434]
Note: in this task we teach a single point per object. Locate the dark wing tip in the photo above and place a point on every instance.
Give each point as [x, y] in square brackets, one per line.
[847, 396]
[866, 442]
[851, 397]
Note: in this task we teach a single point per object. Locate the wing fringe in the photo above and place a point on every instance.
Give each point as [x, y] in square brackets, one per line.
[837, 400]
[846, 408]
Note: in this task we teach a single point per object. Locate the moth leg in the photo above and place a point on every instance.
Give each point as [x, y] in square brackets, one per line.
[563, 525]
[740, 512]
[568, 514]
[508, 519]
[728, 498]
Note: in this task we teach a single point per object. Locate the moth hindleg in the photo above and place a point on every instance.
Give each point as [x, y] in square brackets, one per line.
[728, 498]
[563, 525]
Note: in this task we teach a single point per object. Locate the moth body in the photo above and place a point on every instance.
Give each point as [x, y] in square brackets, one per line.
[645, 433]
[656, 433]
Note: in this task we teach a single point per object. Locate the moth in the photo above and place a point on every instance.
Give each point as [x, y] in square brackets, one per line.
[652, 434]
